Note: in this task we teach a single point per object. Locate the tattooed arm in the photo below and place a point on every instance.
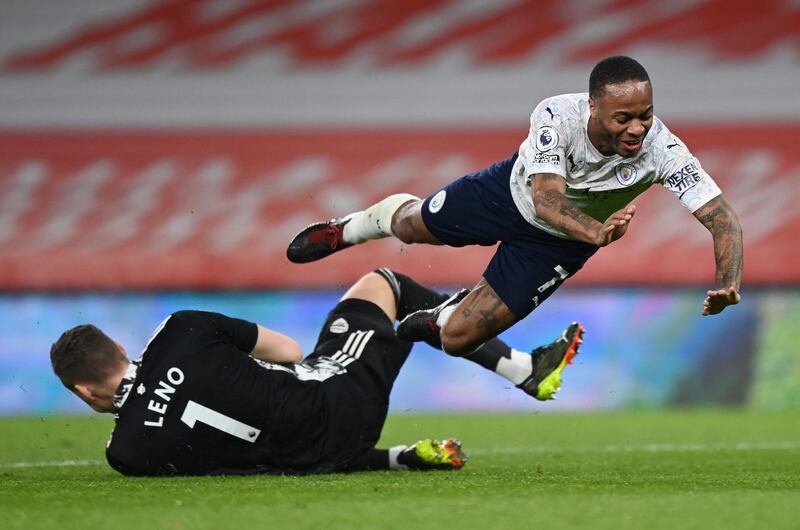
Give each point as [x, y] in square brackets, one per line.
[720, 219]
[553, 207]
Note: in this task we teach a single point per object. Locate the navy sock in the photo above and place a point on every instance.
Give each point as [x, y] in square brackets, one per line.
[490, 353]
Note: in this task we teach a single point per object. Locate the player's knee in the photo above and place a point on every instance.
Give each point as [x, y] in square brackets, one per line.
[406, 221]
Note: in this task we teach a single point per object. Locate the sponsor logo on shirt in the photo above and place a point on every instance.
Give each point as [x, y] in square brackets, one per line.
[437, 202]
[339, 325]
[626, 173]
[546, 158]
[675, 143]
[684, 178]
[546, 138]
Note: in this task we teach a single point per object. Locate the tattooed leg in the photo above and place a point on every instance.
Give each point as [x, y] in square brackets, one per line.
[479, 317]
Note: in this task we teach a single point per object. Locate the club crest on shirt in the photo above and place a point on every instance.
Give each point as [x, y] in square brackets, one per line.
[437, 202]
[339, 326]
[626, 174]
[546, 138]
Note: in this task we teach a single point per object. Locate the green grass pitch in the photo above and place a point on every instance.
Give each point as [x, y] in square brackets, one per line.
[643, 470]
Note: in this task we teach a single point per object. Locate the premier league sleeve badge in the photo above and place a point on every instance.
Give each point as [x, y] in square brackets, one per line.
[546, 138]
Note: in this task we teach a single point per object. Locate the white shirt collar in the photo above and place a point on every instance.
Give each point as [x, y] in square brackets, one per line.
[125, 386]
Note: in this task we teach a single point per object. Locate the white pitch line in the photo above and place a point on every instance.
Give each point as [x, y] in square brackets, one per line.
[61, 463]
[644, 448]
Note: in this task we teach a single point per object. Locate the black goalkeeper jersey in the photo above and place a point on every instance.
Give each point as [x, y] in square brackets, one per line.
[200, 404]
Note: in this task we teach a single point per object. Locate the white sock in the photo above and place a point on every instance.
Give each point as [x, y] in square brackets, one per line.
[376, 221]
[517, 368]
[444, 316]
[393, 452]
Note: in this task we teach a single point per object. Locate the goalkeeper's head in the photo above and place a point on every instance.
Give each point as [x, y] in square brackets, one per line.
[90, 364]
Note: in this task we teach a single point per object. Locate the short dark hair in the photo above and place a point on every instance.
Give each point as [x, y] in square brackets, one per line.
[84, 354]
[614, 70]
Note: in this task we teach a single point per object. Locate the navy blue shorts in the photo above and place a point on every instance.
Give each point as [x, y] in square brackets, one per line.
[529, 264]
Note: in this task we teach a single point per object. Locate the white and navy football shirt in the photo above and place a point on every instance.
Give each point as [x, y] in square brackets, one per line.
[558, 143]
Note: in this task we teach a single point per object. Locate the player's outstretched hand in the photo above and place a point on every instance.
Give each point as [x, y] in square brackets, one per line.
[616, 225]
[719, 299]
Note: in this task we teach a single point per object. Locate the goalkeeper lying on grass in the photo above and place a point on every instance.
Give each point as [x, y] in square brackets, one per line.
[218, 395]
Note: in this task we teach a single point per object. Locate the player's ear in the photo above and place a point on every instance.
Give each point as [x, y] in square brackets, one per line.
[88, 396]
[84, 392]
[121, 348]
[591, 106]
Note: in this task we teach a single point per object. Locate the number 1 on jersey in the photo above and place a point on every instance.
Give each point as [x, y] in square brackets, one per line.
[195, 412]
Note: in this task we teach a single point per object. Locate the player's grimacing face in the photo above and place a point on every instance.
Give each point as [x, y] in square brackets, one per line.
[623, 114]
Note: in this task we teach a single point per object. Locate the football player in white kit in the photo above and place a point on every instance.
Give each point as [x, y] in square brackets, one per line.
[565, 193]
